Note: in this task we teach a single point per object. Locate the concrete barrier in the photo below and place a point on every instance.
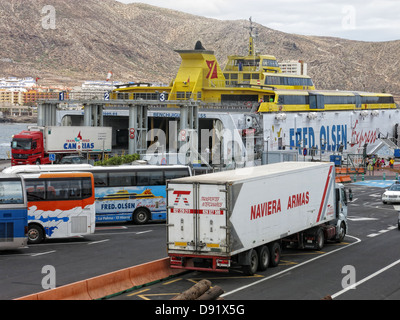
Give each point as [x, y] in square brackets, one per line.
[110, 283]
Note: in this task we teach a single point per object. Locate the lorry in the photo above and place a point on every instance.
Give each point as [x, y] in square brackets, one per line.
[38, 145]
[242, 218]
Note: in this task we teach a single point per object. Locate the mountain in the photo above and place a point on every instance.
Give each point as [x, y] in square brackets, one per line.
[137, 42]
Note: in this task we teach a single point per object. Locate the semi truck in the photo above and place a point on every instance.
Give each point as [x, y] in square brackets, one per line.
[243, 218]
[35, 145]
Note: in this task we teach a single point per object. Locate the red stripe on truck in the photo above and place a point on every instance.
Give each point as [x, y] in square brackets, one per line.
[324, 195]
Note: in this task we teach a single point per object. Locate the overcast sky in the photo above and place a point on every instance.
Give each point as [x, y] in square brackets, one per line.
[365, 20]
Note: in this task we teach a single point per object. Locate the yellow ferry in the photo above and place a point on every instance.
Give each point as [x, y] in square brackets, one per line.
[250, 79]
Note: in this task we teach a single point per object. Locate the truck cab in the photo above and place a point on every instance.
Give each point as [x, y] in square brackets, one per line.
[27, 148]
[342, 199]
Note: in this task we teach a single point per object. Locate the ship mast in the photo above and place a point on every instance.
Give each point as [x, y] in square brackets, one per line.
[251, 38]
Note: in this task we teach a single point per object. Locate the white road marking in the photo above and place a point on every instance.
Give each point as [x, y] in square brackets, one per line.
[96, 242]
[372, 235]
[144, 232]
[361, 219]
[42, 253]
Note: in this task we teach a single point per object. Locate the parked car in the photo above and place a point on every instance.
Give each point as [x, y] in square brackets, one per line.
[73, 160]
[392, 194]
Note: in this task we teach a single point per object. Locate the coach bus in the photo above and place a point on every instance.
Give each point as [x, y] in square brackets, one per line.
[13, 213]
[60, 205]
[124, 193]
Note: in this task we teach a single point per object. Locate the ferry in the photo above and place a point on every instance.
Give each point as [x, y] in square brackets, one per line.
[252, 98]
[125, 195]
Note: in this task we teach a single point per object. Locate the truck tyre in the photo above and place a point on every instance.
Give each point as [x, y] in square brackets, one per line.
[342, 232]
[35, 234]
[275, 254]
[320, 239]
[252, 266]
[141, 216]
[263, 258]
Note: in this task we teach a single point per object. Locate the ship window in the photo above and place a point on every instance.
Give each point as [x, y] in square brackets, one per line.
[234, 76]
[255, 76]
[270, 63]
[374, 100]
[238, 97]
[246, 76]
[272, 80]
[251, 63]
[293, 100]
[340, 99]
[316, 101]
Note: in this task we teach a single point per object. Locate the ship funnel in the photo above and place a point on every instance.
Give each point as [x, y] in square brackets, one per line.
[199, 46]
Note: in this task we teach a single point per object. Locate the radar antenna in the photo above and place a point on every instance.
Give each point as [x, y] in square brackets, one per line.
[252, 37]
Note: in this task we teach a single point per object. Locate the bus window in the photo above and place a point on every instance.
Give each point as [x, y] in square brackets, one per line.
[122, 179]
[150, 178]
[87, 191]
[100, 179]
[174, 174]
[35, 190]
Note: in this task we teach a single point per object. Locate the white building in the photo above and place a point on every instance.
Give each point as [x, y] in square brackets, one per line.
[17, 84]
[294, 67]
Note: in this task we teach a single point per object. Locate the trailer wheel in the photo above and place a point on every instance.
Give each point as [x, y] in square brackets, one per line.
[263, 258]
[275, 253]
[141, 216]
[320, 239]
[252, 266]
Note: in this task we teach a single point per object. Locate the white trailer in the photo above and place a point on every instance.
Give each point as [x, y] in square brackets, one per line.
[76, 139]
[241, 218]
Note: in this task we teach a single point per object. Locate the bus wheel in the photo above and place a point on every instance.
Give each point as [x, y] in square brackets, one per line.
[141, 216]
[35, 234]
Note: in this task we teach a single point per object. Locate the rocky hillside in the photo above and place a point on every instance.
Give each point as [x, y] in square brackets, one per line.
[137, 43]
